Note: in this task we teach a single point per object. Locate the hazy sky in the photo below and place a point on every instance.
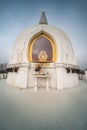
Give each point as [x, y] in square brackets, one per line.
[69, 15]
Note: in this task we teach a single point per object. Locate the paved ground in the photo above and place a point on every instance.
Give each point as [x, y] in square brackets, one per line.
[42, 110]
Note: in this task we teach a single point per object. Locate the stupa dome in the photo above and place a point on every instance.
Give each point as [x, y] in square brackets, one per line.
[62, 46]
[44, 49]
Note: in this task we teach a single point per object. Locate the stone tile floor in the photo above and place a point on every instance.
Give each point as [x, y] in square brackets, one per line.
[43, 110]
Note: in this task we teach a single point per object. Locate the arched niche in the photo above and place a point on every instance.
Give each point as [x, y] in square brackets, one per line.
[42, 49]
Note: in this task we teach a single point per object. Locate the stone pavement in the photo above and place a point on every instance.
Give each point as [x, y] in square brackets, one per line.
[43, 110]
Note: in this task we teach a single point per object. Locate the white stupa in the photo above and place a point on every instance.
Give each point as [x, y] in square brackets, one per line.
[42, 57]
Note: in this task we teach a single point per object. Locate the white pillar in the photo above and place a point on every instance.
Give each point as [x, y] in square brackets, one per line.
[47, 87]
[60, 77]
[35, 88]
[86, 74]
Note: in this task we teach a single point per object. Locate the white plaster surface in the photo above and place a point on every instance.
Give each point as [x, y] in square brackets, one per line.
[22, 109]
[18, 79]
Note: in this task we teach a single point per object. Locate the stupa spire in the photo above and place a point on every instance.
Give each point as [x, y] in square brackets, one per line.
[43, 19]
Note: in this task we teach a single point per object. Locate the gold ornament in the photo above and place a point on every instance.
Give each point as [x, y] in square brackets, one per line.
[42, 56]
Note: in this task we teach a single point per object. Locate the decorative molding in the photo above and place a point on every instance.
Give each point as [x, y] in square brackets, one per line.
[65, 65]
[56, 65]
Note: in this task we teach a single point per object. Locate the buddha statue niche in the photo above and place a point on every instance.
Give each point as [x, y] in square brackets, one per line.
[42, 56]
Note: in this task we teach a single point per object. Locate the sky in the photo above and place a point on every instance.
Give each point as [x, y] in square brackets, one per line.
[69, 15]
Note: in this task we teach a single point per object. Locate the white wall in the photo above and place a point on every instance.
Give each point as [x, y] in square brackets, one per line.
[66, 80]
[18, 79]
